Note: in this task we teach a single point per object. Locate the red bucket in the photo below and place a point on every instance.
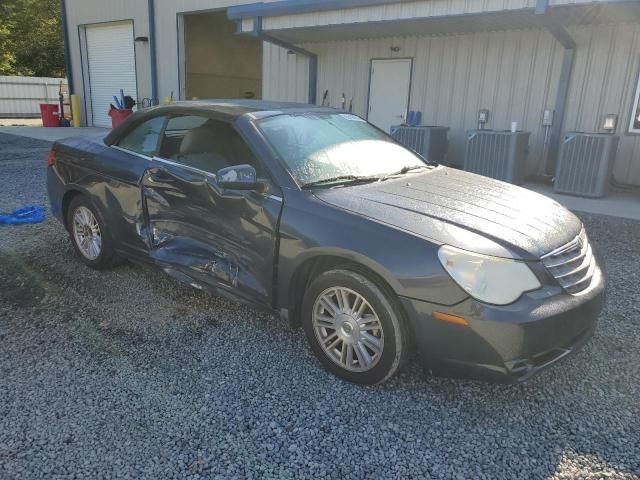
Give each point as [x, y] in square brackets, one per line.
[118, 116]
[49, 115]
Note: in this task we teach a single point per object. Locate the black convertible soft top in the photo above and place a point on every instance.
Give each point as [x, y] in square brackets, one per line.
[224, 109]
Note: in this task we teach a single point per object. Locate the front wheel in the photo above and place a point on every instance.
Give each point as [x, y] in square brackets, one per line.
[354, 327]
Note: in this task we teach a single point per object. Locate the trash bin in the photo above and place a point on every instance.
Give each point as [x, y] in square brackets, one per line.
[49, 113]
[118, 116]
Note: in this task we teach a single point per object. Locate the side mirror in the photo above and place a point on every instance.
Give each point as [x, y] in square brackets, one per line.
[238, 177]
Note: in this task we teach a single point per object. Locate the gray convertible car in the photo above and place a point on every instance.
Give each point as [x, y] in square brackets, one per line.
[316, 215]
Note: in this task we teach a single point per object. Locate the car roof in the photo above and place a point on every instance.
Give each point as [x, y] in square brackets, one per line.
[237, 107]
[226, 109]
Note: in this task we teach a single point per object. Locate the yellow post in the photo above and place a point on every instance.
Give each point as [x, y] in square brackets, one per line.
[75, 111]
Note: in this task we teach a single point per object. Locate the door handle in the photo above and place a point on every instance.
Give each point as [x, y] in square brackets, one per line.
[160, 176]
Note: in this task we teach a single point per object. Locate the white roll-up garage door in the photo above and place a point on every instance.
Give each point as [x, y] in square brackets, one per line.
[112, 66]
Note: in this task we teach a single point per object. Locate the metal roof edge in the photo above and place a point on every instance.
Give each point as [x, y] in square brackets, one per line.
[288, 7]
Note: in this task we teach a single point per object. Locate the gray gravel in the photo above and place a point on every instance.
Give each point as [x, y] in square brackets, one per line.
[127, 374]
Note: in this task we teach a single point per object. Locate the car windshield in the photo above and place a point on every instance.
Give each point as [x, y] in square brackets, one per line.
[335, 148]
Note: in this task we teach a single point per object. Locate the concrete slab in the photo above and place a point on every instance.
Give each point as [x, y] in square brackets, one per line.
[20, 122]
[623, 204]
[51, 134]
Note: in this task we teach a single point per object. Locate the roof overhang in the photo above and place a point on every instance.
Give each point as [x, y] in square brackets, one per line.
[466, 23]
[293, 24]
[293, 21]
[291, 7]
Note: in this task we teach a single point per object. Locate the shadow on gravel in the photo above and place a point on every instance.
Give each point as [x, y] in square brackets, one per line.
[19, 285]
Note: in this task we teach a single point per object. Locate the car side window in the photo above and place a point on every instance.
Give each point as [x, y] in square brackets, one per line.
[204, 143]
[144, 138]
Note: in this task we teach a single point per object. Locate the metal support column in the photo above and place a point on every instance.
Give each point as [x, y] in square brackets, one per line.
[152, 51]
[67, 50]
[563, 37]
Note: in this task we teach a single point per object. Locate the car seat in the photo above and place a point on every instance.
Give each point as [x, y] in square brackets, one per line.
[207, 147]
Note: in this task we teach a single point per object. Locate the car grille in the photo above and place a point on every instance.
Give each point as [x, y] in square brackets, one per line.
[573, 264]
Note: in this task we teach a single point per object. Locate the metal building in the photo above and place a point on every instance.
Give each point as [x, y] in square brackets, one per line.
[383, 58]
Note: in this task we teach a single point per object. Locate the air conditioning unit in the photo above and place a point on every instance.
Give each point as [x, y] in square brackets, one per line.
[585, 164]
[429, 141]
[497, 154]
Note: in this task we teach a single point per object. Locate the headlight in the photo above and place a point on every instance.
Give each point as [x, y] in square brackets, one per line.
[495, 280]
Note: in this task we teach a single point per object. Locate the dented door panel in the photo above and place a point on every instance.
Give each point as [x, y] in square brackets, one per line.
[225, 241]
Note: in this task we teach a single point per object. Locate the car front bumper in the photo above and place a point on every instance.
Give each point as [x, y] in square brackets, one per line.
[506, 343]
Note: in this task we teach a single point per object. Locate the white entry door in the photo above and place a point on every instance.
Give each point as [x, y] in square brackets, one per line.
[389, 92]
[112, 66]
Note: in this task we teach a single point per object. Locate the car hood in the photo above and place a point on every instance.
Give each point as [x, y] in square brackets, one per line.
[464, 210]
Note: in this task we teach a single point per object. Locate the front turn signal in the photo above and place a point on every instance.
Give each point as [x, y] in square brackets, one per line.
[447, 317]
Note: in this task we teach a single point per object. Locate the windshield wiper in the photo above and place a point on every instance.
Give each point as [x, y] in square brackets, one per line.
[402, 171]
[354, 179]
[341, 179]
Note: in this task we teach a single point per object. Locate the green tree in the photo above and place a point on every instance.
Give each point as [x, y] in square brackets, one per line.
[31, 38]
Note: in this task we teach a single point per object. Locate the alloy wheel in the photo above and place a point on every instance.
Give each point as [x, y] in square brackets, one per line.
[86, 233]
[348, 329]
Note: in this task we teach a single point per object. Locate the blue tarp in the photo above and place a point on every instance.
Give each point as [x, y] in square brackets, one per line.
[28, 214]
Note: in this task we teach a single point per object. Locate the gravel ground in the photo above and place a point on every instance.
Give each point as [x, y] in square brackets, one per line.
[127, 374]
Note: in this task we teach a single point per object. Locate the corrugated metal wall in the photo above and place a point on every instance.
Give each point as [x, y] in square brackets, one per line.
[513, 73]
[20, 97]
[604, 81]
[285, 76]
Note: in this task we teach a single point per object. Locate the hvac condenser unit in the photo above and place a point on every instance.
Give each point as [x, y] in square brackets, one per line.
[585, 164]
[496, 154]
[429, 141]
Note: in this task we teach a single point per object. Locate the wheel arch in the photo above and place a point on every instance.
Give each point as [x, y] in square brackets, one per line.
[316, 262]
[68, 196]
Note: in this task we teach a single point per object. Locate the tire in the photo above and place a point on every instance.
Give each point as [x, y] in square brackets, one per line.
[380, 318]
[99, 258]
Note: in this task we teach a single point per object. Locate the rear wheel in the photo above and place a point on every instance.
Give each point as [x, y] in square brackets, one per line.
[90, 235]
[354, 327]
